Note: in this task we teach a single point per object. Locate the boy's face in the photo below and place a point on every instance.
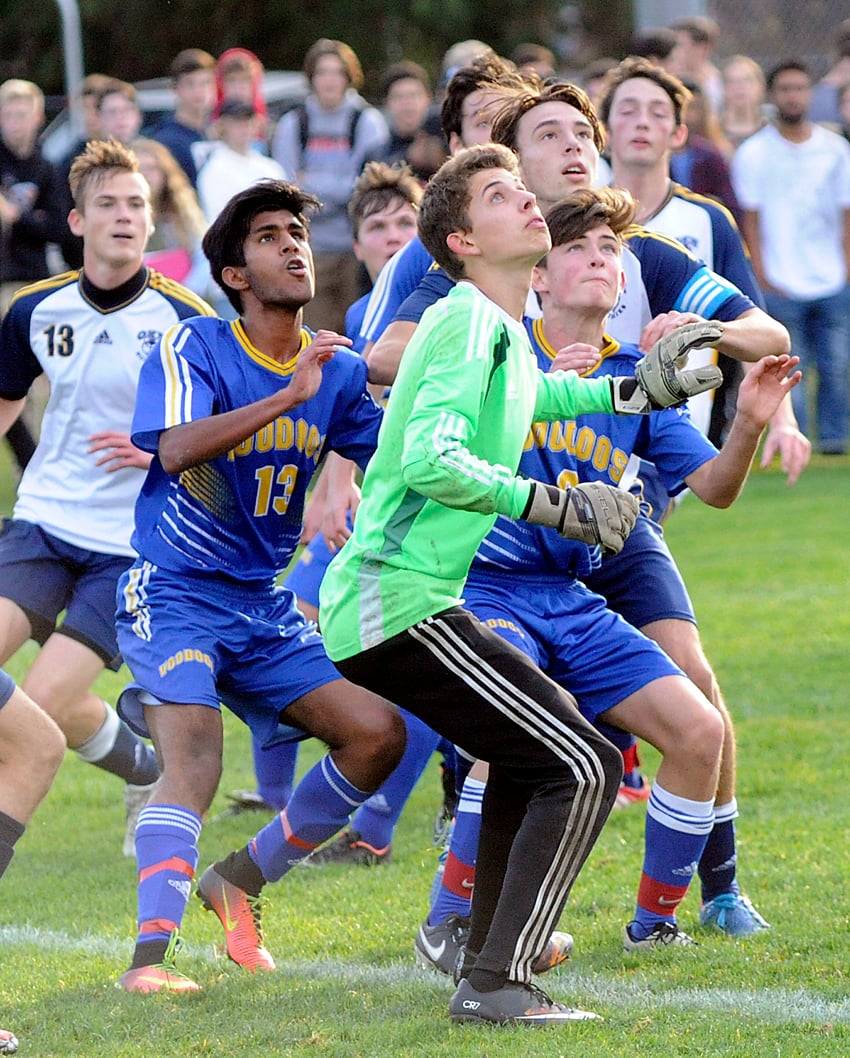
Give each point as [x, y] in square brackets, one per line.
[115, 221]
[642, 128]
[585, 273]
[556, 150]
[119, 117]
[505, 224]
[278, 269]
[476, 118]
[238, 85]
[330, 81]
[407, 105]
[20, 120]
[383, 233]
[238, 133]
[196, 91]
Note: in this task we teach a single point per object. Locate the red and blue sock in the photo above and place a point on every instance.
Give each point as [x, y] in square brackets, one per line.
[319, 807]
[454, 895]
[677, 829]
[167, 855]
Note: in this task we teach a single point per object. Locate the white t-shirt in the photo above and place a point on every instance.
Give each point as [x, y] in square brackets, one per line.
[226, 173]
[800, 192]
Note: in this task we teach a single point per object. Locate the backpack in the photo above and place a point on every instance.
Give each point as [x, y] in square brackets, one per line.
[304, 133]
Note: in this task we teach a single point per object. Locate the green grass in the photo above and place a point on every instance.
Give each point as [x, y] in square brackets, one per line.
[769, 580]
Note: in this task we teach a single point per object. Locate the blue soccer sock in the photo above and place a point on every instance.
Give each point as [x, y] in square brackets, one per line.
[676, 832]
[275, 771]
[319, 807]
[167, 855]
[719, 860]
[455, 892]
[375, 820]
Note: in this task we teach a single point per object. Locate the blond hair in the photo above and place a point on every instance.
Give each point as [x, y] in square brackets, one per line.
[97, 161]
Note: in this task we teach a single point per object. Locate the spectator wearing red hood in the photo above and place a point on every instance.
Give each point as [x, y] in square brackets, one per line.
[239, 77]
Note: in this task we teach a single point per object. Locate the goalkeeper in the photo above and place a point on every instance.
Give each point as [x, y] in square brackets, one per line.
[446, 466]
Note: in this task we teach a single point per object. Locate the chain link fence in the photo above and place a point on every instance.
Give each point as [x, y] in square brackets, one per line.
[772, 30]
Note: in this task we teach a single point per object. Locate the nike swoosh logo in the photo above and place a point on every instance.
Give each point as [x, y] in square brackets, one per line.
[229, 923]
[433, 951]
[668, 903]
[467, 884]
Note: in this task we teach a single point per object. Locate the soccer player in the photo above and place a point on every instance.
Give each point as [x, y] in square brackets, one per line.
[527, 591]
[642, 108]
[69, 538]
[382, 210]
[31, 751]
[236, 415]
[445, 466]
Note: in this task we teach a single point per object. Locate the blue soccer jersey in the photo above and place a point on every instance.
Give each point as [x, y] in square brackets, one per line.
[590, 448]
[600, 445]
[707, 230]
[240, 514]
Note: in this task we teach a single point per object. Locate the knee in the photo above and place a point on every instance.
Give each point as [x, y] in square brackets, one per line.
[383, 737]
[45, 750]
[705, 737]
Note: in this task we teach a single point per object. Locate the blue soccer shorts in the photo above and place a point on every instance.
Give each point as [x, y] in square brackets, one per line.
[642, 583]
[571, 635]
[44, 576]
[203, 641]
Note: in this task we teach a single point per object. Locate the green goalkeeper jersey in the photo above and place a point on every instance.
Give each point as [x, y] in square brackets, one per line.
[467, 392]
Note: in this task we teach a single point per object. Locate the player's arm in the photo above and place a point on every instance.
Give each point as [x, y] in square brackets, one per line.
[675, 280]
[749, 337]
[190, 444]
[766, 384]
[384, 356]
[438, 463]
[784, 439]
[9, 412]
[750, 231]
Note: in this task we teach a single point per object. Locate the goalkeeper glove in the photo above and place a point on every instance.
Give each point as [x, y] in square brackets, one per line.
[661, 379]
[591, 512]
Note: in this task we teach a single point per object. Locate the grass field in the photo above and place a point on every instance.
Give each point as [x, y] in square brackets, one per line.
[770, 581]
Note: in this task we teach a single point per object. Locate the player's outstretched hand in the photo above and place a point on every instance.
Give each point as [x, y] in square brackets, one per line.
[307, 376]
[764, 386]
[761, 399]
[793, 448]
[592, 512]
[118, 451]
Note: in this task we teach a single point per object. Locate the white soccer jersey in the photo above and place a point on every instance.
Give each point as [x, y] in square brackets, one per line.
[91, 358]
